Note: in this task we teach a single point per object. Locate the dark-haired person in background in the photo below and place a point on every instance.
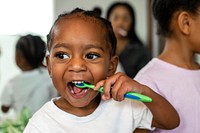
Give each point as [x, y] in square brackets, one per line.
[133, 55]
[33, 87]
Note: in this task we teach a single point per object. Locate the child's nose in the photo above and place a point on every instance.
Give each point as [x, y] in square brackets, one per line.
[77, 65]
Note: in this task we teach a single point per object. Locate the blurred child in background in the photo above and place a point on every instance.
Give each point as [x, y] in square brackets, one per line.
[33, 87]
[175, 74]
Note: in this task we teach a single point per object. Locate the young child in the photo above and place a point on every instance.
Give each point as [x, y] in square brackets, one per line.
[82, 47]
[175, 74]
[32, 88]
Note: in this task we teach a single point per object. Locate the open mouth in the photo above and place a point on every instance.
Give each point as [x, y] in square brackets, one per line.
[76, 91]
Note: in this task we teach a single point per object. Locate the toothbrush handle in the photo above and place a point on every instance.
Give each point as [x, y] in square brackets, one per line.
[133, 95]
[101, 89]
[137, 96]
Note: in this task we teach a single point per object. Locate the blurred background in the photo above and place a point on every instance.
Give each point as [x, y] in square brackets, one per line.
[36, 17]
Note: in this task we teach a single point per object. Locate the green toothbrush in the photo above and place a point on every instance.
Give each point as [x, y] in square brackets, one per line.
[130, 95]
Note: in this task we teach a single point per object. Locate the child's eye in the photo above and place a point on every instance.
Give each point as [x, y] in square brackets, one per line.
[92, 56]
[62, 55]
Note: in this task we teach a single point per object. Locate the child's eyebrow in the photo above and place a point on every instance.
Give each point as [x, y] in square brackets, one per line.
[59, 45]
[89, 46]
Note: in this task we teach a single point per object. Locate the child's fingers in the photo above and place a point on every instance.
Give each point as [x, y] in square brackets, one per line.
[120, 83]
[107, 88]
[123, 85]
[118, 89]
[98, 85]
[106, 94]
[115, 93]
[107, 84]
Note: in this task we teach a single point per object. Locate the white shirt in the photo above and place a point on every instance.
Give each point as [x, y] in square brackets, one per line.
[31, 89]
[109, 117]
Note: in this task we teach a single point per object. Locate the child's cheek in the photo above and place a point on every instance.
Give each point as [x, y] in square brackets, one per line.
[100, 74]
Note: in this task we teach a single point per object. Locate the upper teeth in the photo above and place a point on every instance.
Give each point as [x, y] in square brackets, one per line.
[77, 82]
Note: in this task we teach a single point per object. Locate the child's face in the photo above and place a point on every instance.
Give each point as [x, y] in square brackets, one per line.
[79, 52]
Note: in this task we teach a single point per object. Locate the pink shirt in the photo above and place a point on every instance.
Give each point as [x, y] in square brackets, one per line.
[181, 87]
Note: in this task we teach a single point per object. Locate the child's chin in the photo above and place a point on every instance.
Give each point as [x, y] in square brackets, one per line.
[84, 102]
[80, 104]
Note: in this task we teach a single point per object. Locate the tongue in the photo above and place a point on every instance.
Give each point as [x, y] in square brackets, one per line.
[77, 90]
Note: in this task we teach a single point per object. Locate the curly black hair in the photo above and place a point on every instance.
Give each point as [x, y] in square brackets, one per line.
[87, 15]
[33, 49]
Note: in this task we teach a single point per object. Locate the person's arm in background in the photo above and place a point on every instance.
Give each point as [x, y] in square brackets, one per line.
[5, 98]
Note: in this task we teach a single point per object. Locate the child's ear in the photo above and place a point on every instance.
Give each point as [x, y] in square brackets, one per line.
[184, 22]
[113, 65]
[48, 64]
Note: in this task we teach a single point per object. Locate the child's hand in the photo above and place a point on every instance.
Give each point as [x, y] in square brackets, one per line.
[121, 84]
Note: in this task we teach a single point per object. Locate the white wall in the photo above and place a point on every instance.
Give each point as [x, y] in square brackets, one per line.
[8, 67]
[21, 16]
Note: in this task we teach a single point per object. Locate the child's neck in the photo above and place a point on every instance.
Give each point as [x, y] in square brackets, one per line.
[179, 55]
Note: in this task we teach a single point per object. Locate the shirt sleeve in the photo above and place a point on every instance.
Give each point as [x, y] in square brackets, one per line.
[6, 95]
[143, 116]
